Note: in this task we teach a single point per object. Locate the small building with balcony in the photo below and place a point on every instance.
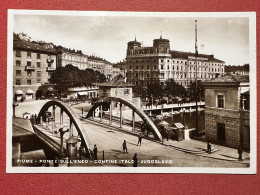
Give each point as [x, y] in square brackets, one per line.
[227, 110]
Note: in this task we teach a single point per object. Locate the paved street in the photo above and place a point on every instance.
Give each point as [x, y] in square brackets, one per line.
[110, 141]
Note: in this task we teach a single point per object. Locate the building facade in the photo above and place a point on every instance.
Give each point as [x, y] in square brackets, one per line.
[76, 58]
[227, 110]
[32, 66]
[145, 65]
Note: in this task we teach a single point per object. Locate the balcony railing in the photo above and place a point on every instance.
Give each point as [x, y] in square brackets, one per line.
[28, 68]
[49, 69]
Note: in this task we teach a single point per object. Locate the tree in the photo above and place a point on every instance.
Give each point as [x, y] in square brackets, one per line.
[173, 89]
[192, 91]
[155, 90]
[119, 77]
[71, 76]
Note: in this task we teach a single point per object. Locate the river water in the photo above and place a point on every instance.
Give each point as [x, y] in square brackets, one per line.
[187, 119]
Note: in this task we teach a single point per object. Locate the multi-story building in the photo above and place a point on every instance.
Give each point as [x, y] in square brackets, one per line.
[158, 63]
[122, 66]
[116, 72]
[227, 110]
[32, 67]
[239, 70]
[76, 58]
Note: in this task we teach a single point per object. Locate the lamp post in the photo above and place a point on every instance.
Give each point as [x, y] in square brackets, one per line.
[62, 132]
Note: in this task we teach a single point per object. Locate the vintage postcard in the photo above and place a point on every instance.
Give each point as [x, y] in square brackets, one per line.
[131, 92]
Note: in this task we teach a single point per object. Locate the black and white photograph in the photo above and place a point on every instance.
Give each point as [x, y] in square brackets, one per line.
[131, 92]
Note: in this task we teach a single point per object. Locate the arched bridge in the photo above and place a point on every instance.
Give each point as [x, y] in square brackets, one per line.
[51, 107]
[138, 111]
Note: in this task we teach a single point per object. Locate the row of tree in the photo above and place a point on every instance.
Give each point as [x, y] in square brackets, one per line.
[71, 76]
[171, 90]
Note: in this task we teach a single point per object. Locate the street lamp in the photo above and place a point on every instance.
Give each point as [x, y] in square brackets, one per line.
[62, 132]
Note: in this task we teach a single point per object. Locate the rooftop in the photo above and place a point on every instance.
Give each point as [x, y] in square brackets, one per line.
[32, 46]
[228, 78]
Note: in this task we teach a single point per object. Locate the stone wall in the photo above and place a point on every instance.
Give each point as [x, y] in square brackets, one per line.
[232, 128]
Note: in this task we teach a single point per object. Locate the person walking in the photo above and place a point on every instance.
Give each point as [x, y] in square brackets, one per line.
[209, 147]
[80, 152]
[240, 151]
[135, 160]
[124, 147]
[139, 139]
[95, 152]
[167, 133]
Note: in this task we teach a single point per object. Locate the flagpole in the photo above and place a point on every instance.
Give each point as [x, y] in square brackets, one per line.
[196, 78]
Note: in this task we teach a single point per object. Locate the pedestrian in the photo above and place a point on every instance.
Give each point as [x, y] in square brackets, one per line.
[240, 151]
[80, 152]
[209, 147]
[56, 162]
[95, 152]
[148, 131]
[167, 133]
[135, 160]
[124, 147]
[139, 139]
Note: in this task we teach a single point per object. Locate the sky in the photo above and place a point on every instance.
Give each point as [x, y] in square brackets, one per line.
[107, 36]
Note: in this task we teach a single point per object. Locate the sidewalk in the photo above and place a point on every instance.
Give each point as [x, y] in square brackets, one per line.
[199, 148]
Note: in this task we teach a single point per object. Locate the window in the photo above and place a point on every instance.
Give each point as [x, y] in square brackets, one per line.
[148, 67]
[18, 72]
[161, 60]
[29, 73]
[29, 63]
[18, 53]
[29, 54]
[136, 67]
[18, 63]
[38, 64]
[130, 67]
[168, 67]
[154, 67]
[136, 82]
[38, 80]
[161, 67]
[168, 60]
[148, 75]
[147, 60]
[136, 74]
[162, 75]
[220, 101]
[49, 65]
[39, 73]
[29, 82]
[18, 82]
[38, 56]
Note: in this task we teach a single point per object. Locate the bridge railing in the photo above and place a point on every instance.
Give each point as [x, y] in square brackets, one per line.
[53, 144]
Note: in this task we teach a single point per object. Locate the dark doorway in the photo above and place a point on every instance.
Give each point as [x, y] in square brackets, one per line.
[221, 132]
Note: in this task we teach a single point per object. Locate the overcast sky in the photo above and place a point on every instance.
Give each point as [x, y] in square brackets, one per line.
[107, 37]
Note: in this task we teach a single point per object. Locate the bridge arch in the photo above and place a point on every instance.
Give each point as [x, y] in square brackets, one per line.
[85, 141]
[137, 110]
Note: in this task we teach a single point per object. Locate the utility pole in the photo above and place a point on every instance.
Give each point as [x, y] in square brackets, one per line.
[196, 78]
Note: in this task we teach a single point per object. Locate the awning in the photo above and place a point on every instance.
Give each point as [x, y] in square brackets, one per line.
[83, 93]
[50, 89]
[19, 92]
[29, 91]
